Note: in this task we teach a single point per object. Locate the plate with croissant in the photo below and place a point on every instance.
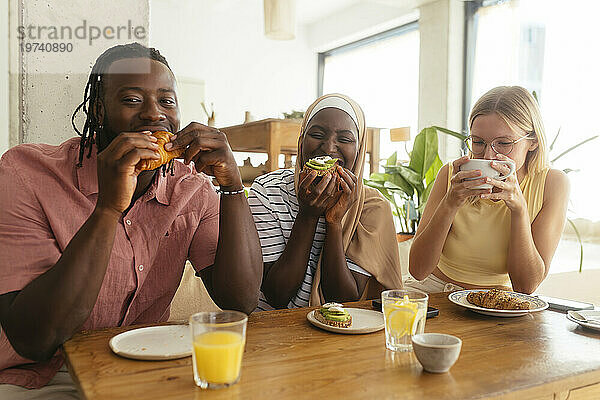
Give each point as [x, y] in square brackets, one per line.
[497, 302]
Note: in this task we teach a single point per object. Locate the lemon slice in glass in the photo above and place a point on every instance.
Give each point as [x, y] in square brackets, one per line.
[414, 325]
[400, 317]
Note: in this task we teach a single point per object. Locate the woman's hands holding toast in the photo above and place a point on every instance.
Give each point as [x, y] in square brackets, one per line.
[345, 196]
[315, 198]
[332, 195]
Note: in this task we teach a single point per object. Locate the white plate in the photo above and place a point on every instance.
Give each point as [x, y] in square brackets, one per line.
[363, 321]
[166, 342]
[595, 314]
[460, 298]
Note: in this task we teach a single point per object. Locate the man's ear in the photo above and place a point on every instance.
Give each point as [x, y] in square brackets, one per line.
[98, 111]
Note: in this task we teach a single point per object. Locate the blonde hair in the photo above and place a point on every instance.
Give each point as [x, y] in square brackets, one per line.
[519, 109]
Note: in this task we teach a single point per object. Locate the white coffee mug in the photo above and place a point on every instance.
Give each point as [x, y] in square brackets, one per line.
[487, 170]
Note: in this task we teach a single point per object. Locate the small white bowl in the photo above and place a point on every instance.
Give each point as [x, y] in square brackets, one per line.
[436, 352]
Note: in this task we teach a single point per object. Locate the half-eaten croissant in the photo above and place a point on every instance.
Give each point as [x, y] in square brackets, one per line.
[165, 156]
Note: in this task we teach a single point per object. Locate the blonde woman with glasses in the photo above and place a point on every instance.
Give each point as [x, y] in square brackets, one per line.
[500, 237]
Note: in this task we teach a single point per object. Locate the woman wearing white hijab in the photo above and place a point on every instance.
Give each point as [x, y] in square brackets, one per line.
[328, 241]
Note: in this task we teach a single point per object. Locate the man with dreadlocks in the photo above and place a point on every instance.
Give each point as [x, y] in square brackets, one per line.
[89, 242]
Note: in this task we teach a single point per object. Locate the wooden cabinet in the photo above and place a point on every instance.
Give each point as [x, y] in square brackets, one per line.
[590, 392]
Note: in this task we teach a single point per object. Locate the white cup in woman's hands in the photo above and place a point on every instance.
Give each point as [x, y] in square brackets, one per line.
[486, 170]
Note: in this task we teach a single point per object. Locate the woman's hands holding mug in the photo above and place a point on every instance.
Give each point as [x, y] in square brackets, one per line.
[508, 190]
[463, 184]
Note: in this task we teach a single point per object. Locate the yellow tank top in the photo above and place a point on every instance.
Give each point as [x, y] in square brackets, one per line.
[476, 248]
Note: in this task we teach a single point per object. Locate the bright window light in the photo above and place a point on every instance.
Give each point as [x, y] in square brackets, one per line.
[383, 77]
[548, 46]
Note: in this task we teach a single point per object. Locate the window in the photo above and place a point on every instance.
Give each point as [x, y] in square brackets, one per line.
[382, 74]
[549, 46]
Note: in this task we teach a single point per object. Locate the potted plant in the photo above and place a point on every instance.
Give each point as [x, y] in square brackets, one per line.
[407, 185]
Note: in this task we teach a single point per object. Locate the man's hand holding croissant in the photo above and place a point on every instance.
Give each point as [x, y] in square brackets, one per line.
[118, 168]
[209, 149]
[162, 138]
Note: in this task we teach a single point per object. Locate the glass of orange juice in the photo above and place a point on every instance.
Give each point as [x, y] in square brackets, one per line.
[404, 314]
[218, 340]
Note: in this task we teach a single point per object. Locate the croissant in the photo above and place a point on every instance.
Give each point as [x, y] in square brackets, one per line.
[165, 156]
[498, 299]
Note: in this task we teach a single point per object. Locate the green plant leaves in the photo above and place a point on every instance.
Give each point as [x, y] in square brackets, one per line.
[412, 182]
[458, 135]
[393, 159]
[397, 181]
[391, 181]
[425, 150]
[569, 170]
[429, 181]
[379, 186]
[377, 177]
[554, 141]
[566, 171]
[426, 193]
[433, 170]
[410, 176]
[574, 147]
[580, 243]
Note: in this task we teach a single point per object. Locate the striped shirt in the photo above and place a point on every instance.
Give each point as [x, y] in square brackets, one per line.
[274, 206]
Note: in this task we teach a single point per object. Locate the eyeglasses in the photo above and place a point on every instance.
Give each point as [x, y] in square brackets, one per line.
[504, 146]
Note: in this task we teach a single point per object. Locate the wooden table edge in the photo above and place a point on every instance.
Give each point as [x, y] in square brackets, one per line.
[545, 390]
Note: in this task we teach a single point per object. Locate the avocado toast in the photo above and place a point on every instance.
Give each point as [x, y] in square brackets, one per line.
[323, 165]
[333, 314]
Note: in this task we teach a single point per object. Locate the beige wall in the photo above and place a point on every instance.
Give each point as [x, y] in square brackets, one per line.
[357, 22]
[4, 91]
[53, 83]
[222, 43]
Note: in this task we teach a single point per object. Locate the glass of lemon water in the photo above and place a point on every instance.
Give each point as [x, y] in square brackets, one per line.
[218, 340]
[404, 313]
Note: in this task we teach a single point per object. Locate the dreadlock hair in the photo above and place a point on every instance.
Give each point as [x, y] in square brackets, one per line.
[94, 91]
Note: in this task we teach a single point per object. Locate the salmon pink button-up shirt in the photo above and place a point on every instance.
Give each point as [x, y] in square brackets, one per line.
[45, 199]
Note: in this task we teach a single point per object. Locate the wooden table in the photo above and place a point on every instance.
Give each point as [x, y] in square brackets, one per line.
[539, 356]
[280, 136]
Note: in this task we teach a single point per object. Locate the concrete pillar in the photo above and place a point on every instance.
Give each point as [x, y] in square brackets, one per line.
[50, 84]
[4, 91]
[441, 76]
